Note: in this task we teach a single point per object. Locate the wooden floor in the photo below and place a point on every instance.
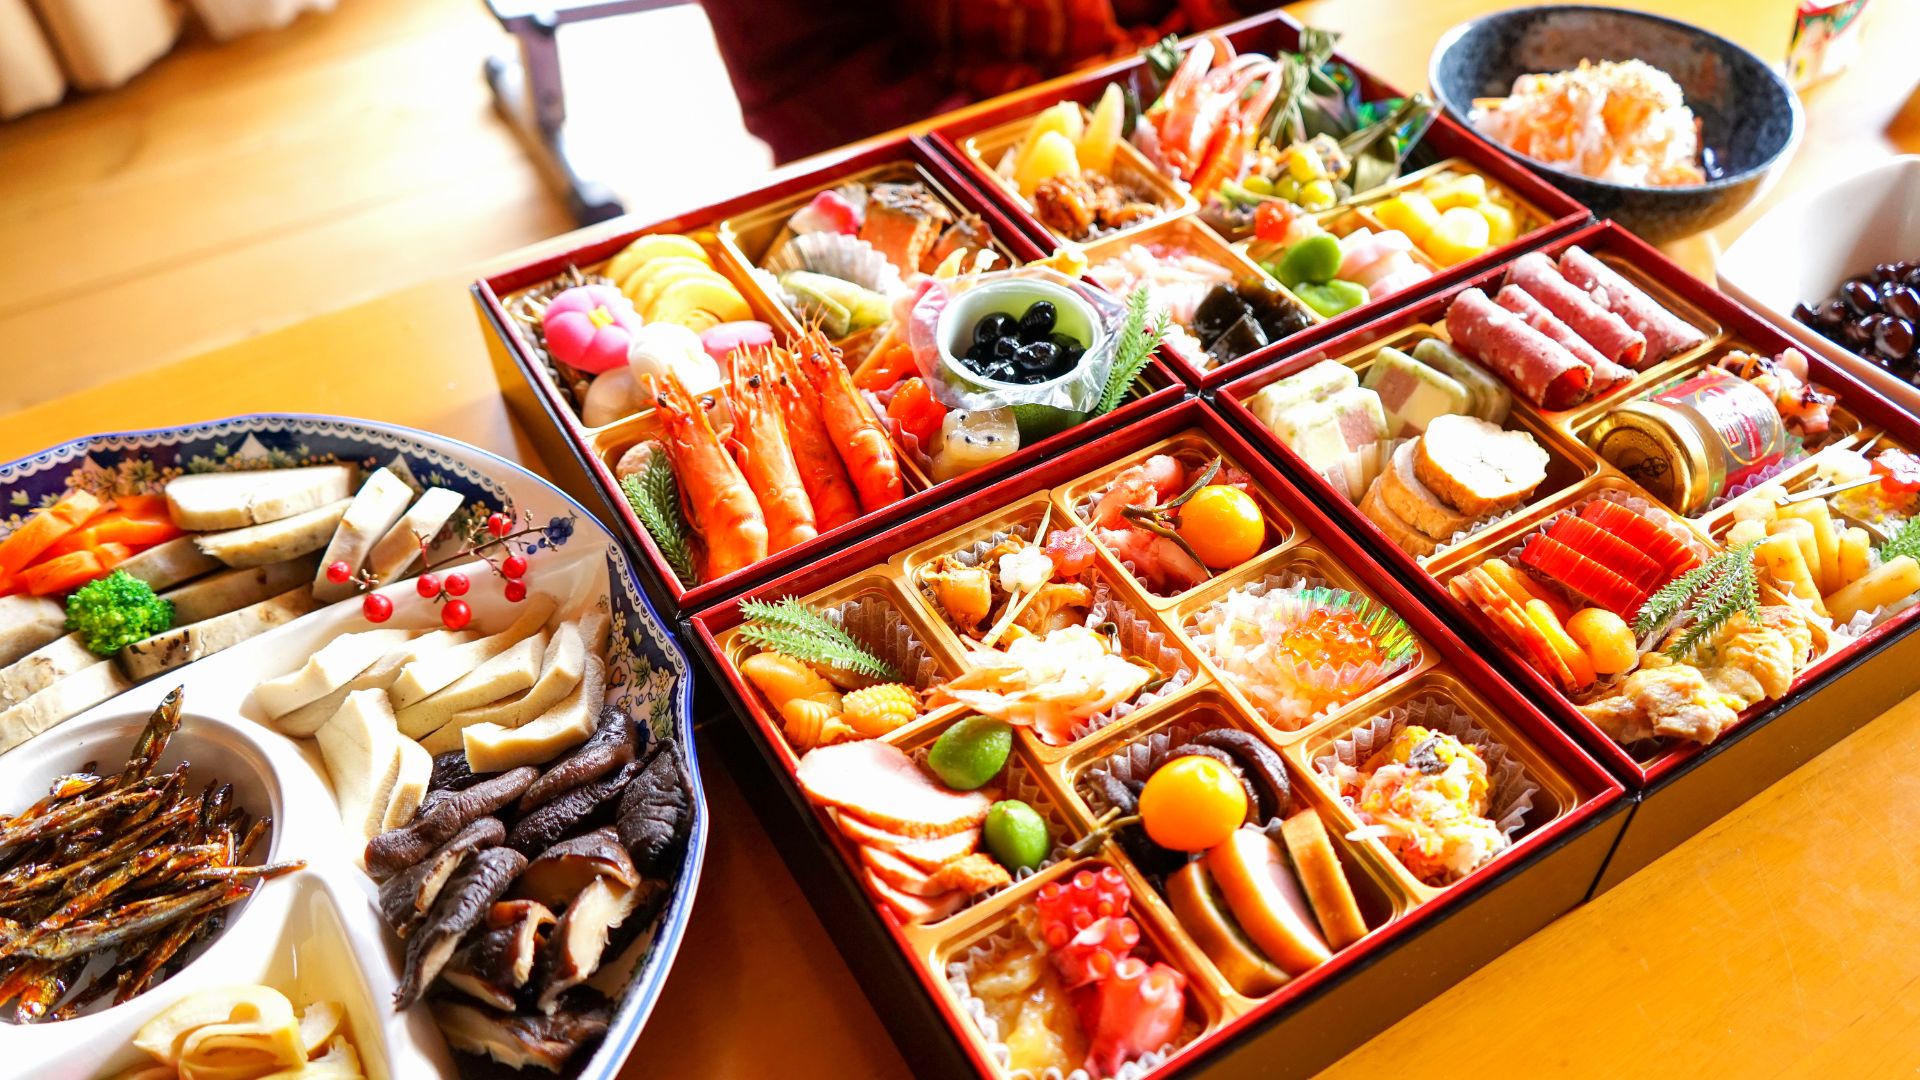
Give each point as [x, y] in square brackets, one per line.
[235, 188]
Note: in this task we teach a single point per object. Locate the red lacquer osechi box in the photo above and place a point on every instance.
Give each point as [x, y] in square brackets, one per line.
[981, 139]
[927, 953]
[732, 237]
[1680, 786]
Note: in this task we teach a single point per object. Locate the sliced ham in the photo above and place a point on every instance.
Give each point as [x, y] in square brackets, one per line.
[971, 875]
[1666, 332]
[927, 854]
[1607, 333]
[882, 786]
[910, 908]
[1535, 365]
[1606, 373]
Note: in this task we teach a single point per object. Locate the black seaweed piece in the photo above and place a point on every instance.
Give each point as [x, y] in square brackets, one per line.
[1244, 336]
[1278, 316]
[442, 817]
[406, 896]
[609, 747]
[450, 772]
[547, 824]
[655, 813]
[1218, 310]
[461, 907]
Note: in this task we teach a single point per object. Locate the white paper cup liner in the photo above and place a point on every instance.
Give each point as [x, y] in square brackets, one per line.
[1299, 693]
[881, 627]
[1510, 789]
[1136, 635]
[959, 978]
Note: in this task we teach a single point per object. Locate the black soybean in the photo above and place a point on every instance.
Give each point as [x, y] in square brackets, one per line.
[991, 327]
[1037, 323]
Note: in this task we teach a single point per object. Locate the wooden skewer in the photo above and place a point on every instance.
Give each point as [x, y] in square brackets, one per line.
[1819, 493]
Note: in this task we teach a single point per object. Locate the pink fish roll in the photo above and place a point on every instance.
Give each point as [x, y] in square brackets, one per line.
[1666, 332]
[1535, 365]
[1606, 373]
[1362, 252]
[1608, 333]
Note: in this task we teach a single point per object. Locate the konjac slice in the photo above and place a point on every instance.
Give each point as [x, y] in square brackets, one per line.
[1580, 575]
[1608, 550]
[1642, 534]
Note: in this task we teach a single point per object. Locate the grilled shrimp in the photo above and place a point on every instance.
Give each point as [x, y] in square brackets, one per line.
[862, 442]
[719, 504]
[759, 445]
[821, 473]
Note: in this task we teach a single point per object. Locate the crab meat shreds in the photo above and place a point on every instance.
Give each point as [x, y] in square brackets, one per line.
[1149, 483]
[1072, 553]
[881, 785]
[1050, 683]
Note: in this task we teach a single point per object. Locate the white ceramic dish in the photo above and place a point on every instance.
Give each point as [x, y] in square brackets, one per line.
[1800, 252]
[316, 934]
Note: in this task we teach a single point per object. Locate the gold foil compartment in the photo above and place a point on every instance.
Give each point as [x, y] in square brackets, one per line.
[960, 956]
[1191, 448]
[1129, 167]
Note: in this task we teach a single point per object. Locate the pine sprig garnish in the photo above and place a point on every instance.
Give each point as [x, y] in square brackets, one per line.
[1706, 596]
[655, 497]
[1905, 542]
[1135, 348]
[791, 627]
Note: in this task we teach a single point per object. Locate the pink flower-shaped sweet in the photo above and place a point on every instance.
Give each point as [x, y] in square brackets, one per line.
[588, 327]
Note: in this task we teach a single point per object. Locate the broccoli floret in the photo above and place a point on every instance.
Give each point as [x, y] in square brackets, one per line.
[116, 611]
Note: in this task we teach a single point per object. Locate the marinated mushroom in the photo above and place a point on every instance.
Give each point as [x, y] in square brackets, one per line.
[572, 953]
[406, 897]
[543, 827]
[546, 1040]
[461, 907]
[608, 748]
[562, 871]
[655, 812]
[495, 964]
[444, 814]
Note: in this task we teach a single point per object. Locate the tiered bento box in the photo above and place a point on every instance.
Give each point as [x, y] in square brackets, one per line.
[1420, 938]
[1680, 786]
[1595, 812]
[979, 140]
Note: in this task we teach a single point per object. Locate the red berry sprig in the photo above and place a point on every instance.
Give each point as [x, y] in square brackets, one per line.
[493, 542]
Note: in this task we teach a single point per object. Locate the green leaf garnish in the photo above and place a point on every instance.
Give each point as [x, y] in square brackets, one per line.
[1905, 542]
[655, 498]
[1706, 596]
[791, 627]
[1136, 346]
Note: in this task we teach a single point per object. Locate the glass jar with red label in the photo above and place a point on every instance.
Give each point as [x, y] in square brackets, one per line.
[1694, 441]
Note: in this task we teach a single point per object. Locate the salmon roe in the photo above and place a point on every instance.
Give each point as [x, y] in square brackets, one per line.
[1331, 637]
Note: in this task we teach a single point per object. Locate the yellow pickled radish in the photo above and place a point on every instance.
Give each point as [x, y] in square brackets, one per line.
[1896, 579]
[1410, 212]
[1460, 235]
[1052, 155]
[1854, 544]
[1469, 189]
[1502, 227]
[1063, 118]
[1103, 131]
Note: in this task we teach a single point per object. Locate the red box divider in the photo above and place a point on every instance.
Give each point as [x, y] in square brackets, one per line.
[1269, 33]
[814, 173]
[1739, 322]
[1599, 788]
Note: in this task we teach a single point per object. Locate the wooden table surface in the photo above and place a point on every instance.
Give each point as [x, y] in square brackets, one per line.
[1783, 940]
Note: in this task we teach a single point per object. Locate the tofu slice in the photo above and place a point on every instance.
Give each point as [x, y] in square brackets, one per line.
[361, 747]
[336, 664]
[60, 702]
[306, 719]
[560, 671]
[396, 553]
[165, 565]
[373, 511]
[493, 749]
[509, 671]
[410, 786]
[232, 500]
[27, 623]
[43, 667]
[278, 540]
[231, 590]
[185, 644]
[422, 678]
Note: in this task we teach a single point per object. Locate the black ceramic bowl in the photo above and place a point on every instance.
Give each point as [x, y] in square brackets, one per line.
[1750, 118]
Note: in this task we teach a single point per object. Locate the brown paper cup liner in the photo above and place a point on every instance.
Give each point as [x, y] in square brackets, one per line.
[1136, 637]
[1292, 707]
[960, 980]
[1015, 782]
[1510, 789]
[879, 626]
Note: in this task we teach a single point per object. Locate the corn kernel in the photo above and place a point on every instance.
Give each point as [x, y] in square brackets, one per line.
[876, 710]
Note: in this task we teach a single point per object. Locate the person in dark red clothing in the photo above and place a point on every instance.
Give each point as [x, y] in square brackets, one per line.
[812, 75]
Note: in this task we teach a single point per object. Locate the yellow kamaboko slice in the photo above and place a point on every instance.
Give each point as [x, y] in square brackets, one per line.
[338, 1063]
[227, 1010]
[243, 1049]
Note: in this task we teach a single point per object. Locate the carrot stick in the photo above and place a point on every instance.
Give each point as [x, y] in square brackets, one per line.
[39, 532]
[67, 572]
[151, 507]
[111, 554]
[113, 528]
